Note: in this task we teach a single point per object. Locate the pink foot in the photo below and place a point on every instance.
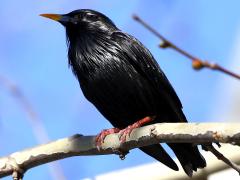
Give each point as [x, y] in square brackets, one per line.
[102, 135]
[124, 133]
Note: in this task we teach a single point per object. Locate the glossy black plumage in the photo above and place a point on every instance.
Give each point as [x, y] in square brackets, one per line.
[122, 79]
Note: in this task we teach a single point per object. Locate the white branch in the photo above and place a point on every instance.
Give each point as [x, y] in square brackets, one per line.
[79, 145]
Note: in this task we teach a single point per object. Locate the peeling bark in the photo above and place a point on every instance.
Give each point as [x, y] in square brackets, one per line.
[79, 145]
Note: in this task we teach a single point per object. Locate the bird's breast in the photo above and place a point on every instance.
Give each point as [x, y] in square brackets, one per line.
[113, 85]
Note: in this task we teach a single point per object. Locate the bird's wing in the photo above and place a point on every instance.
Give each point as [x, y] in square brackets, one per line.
[146, 65]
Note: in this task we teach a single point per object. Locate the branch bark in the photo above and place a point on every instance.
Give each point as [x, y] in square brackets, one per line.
[79, 145]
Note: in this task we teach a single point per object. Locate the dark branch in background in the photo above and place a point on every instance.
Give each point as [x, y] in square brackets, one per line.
[197, 63]
[37, 125]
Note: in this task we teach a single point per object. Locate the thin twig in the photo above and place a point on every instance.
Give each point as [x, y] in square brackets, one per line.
[197, 63]
[220, 156]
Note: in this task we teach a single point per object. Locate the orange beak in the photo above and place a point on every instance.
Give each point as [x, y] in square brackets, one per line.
[55, 17]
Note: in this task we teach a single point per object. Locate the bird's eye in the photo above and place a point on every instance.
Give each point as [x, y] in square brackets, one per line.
[78, 16]
[93, 17]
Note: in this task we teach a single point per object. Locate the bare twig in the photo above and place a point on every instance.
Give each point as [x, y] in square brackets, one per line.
[79, 145]
[36, 123]
[197, 63]
[220, 156]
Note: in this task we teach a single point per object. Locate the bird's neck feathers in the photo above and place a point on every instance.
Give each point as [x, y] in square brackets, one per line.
[86, 44]
[86, 50]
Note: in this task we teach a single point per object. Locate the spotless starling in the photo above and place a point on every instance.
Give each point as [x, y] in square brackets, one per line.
[124, 82]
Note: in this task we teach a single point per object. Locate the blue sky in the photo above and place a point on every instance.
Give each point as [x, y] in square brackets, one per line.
[33, 54]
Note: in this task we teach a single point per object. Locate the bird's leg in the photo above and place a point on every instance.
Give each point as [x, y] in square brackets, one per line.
[122, 133]
[102, 135]
[127, 131]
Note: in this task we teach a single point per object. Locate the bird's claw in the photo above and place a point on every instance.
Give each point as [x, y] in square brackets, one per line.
[124, 133]
[102, 135]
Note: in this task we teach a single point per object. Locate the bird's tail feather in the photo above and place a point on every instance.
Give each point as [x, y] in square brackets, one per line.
[189, 157]
[157, 152]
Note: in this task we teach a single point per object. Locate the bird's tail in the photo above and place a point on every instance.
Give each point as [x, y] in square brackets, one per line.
[157, 152]
[189, 157]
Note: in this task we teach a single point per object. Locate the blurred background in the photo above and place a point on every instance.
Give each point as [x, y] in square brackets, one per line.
[33, 58]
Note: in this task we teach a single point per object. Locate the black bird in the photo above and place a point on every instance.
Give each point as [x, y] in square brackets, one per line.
[123, 80]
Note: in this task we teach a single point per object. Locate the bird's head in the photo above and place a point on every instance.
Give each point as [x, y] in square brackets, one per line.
[83, 21]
